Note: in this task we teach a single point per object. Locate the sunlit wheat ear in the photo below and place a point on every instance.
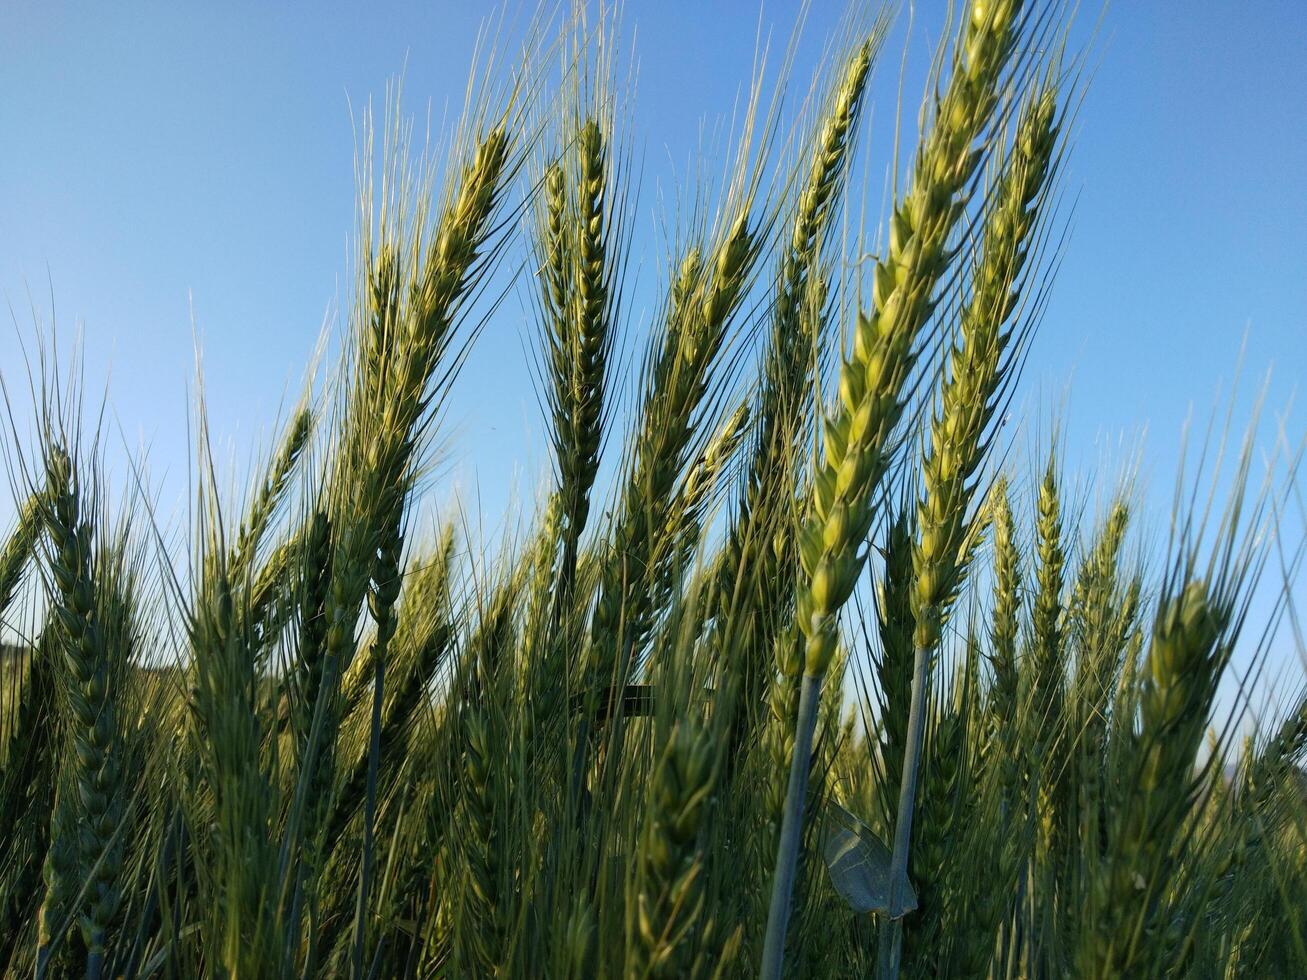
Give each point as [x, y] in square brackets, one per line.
[977, 366]
[784, 400]
[975, 376]
[410, 308]
[415, 282]
[857, 435]
[401, 352]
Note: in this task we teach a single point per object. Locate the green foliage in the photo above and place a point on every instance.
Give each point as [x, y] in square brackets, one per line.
[814, 616]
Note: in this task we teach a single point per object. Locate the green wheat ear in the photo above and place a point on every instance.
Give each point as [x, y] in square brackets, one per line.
[1005, 626]
[1175, 696]
[856, 437]
[948, 532]
[270, 493]
[703, 298]
[757, 566]
[670, 898]
[302, 739]
[18, 549]
[577, 232]
[85, 859]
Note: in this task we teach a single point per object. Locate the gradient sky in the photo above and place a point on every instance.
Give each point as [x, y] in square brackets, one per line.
[181, 173]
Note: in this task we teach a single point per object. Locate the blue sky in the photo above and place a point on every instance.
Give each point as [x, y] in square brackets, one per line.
[182, 173]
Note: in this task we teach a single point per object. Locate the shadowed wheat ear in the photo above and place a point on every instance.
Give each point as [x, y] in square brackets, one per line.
[231, 623]
[1130, 920]
[89, 806]
[1102, 614]
[416, 281]
[703, 298]
[579, 280]
[483, 782]
[856, 436]
[1189, 644]
[758, 554]
[669, 902]
[383, 591]
[415, 651]
[1047, 671]
[234, 797]
[1005, 624]
[270, 492]
[27, 784]
[18, 549]
[703, 480]
[1046, 738]
[1287, 748]
[893, 661]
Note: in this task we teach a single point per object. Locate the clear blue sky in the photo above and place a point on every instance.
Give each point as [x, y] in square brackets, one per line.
[164, 158]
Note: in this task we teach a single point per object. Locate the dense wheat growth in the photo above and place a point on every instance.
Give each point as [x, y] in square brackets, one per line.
[791, 673]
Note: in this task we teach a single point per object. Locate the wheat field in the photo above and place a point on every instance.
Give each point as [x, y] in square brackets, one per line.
[814, 684]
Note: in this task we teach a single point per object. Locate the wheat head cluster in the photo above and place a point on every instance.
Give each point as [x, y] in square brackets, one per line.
[788, 673]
